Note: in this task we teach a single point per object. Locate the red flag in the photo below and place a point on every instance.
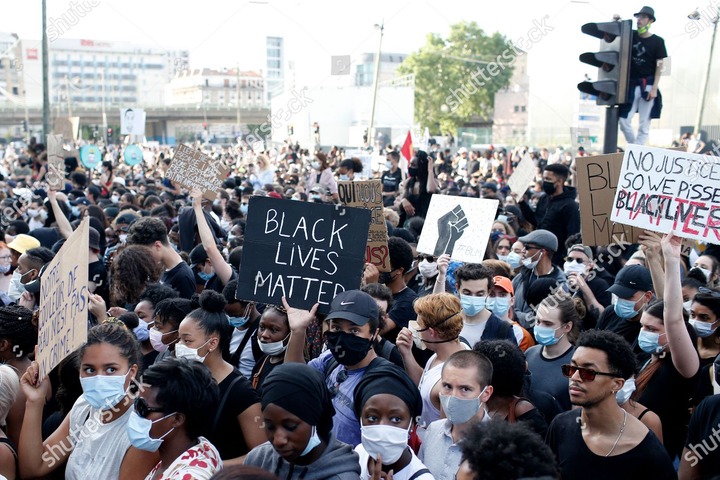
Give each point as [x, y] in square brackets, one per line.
[407, 150]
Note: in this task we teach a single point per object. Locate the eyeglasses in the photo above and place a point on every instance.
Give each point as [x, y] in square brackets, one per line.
[586, 374]
[142, 408]
[341, 377]
[703, 290]
[6, 258]
[439, 323]
[578, 260]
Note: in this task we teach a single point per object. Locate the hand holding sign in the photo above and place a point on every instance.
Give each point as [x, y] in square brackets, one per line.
[35, 391]
[650, 243]
[299, 319]
[443, 262]
[450, 228]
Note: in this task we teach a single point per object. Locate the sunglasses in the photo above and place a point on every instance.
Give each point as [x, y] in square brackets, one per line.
[578, 260]
[586, 374]
[421, 257]
[142, 408]
[341, 377]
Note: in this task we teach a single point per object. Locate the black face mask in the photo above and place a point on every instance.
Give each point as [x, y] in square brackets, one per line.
[385, 278]
[548, 187]
[348, 349]
[413, 171]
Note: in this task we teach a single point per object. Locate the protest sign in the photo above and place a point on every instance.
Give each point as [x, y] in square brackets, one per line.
[132, 121]
[305, 252]
[67, 127]
[664, 190]
[193, 169]
[597, 178]
[90, 156]
[56, 161]
[523, 175]
[459, 226]
[132, 155]
[62, 324]
[368, 194]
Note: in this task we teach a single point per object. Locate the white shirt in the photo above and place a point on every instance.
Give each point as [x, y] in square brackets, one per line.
[473, 332]
[247, 359]
[413, 467]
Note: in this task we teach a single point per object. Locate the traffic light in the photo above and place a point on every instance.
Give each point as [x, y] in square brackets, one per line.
[613, 61]
[109, 135]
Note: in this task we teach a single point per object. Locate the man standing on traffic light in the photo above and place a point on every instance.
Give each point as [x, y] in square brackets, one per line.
[648, 53]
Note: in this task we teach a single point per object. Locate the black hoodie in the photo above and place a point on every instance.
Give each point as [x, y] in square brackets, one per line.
[559, 215]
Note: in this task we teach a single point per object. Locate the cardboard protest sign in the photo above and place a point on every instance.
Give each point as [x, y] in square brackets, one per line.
[459, 226]
[664, 190]
[193, 169]
[523, 175]
[56, 161]
[68, 127]
[132, 121]
[305, 252]
[368, 194]
[597, 179]
[62, 325]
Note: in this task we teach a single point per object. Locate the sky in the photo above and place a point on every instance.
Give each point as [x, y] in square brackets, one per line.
[223, 33]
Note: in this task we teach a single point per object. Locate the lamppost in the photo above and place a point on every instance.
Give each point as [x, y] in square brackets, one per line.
[371, 131]
[695, 15]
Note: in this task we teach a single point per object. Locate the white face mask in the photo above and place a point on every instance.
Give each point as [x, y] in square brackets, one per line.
[388, 441]
[183, 351]
[624, 394]
[273, 348]
[530, 263]
[573, 267]
[419, 344]
[428, 269]
[706, 272]
[16, 288]
[687, 305]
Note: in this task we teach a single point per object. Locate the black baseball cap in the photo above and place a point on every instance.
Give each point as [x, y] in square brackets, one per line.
[630, 280]
[198, 255]
[355, 306]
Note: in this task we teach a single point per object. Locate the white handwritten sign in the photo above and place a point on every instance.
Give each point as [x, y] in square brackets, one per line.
[62, 326]
[522, 176]
[663, 190]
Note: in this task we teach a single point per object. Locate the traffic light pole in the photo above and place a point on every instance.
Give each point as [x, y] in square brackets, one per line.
[611, 129]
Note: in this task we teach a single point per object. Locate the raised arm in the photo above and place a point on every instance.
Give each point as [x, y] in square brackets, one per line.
[62, 222]
[299, 321]
[684, 355]
[650, 243]
[222, 269]
[443, 262]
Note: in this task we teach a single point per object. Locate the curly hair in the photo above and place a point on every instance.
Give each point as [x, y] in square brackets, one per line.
[441, 312]
[132, 270]
[147, 231]
[16, 327]
[501, 450]
[508, 364]
[620, 357]
[155, 292]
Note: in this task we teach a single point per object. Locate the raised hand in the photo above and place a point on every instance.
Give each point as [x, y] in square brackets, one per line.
[671, 245]
[443, 262]
[298, 318]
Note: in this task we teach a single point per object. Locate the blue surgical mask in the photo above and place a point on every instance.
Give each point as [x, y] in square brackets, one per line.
[472, 305]
[625, 308]
[75, 210]
[244, 208]
[649, 342]
[312, 443]
[546, 335]
[703, 329]
[238, 322]
[104, 391]
[344, 178]
[500, 306]
[138, 430]
[514, 259]
[205, 276]
[460, 410]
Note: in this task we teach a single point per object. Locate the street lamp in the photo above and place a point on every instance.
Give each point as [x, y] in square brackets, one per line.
[695, 15]
[371, 134]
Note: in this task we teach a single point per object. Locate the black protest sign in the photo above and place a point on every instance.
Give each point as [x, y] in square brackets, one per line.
[305, 252]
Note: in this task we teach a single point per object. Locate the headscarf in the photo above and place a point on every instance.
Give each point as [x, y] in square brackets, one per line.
[387, 379]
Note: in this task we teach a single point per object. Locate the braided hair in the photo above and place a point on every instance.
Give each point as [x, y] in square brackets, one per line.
[17, 327]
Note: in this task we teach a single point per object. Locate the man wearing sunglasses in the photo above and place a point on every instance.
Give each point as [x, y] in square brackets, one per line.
[600, 438]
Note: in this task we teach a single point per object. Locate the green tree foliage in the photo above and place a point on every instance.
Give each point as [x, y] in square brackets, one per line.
[450, 85]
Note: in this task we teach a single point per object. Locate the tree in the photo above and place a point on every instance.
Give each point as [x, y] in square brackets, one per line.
[456, 78]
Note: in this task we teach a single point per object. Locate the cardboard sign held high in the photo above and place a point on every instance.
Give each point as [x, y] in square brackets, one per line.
[64, 296]
[193, 169]
[368, 195]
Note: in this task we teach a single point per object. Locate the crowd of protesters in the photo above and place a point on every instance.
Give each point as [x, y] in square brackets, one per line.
[548, 359]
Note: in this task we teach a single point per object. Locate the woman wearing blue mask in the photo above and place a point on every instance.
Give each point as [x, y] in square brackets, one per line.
[666, 381]
[91, 441]
[213, 269]
[297, 412]
[203, 335]
[557, 325]
[321, 175]
[171, 413]
[386, 401]
[348, 168]
[273, 333]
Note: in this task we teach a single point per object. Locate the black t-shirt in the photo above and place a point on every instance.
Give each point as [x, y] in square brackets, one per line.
[263, 367]
[181, 278]
[645, 54]
[646, 460]
[391, 183]
[97, 273]
[668, 395]
[402, 311]
[702, 438]
[628, 329]
[216, 284]
[227, 435]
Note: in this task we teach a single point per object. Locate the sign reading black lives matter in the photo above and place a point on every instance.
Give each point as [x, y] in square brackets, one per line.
[305, 252]
[663, 190]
